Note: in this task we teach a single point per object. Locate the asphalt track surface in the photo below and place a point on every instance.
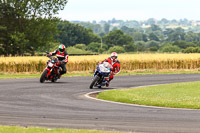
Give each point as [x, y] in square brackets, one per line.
[27, 102]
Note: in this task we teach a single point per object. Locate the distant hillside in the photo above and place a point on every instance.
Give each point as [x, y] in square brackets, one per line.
[187, 25]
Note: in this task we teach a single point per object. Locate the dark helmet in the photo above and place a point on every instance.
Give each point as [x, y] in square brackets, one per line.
[61, 48]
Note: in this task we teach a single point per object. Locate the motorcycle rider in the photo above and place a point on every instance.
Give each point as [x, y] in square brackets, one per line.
[62, 56]
[115, 64]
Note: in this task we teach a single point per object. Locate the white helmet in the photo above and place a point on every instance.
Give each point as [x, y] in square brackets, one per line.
[113, 56]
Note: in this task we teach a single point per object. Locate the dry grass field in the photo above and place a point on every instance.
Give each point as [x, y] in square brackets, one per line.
[129, 62]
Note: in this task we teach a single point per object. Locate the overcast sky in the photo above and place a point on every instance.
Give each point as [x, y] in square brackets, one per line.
[89, 10]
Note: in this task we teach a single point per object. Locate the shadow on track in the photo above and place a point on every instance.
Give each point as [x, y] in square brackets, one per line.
[58, 82]
[106, 88]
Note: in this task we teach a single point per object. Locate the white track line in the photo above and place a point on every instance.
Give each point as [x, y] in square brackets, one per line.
[135, 105]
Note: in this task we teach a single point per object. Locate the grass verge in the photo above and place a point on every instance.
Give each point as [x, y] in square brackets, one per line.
[74, 74]
[7, 129]
[29, 75]
[178, 95]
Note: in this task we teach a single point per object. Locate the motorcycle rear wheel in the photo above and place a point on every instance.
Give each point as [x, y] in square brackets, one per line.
[43, 76]
[95, 80]
[53, 80]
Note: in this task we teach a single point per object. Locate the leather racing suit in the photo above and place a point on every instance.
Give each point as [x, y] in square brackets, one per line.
[63, 58]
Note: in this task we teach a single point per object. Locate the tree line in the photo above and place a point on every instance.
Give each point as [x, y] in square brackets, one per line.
[125, 39]
[188, 25]
[29, 27]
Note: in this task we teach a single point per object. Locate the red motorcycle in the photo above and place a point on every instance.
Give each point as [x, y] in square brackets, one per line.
[52, 70]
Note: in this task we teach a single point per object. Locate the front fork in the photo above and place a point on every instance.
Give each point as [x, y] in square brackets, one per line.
[103, 80]
[95, 73]
[49, 71]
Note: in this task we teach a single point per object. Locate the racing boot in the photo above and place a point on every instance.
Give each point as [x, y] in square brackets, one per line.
[108, 83]
[58, 76]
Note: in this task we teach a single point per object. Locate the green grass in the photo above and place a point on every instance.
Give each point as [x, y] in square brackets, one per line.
[7, 129]
[151, 72]
[28, 75]
[178, 95]
[15, 76]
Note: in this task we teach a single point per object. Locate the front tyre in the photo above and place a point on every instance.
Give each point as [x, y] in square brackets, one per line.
[95, 80]
[43, 76]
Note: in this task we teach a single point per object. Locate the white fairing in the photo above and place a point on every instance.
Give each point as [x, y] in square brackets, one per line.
[50, 64]
[105, 67]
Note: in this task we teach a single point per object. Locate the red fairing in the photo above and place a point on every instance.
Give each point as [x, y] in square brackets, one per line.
[48, 72]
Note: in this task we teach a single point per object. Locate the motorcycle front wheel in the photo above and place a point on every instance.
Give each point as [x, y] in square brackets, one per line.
[95, 80]
[43, 76]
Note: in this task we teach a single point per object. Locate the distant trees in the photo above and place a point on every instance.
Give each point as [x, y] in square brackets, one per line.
[152, 36]
[127, 37]
[191, 36]
[137, 36]
[151, 21]
[155, 28]
[170, 48]
[117, 37]
[175, 36]
[106, 28]
[164, 21]
[97, 47]
[30, 26]
[117, 49]
[96, 28]
[72, 34]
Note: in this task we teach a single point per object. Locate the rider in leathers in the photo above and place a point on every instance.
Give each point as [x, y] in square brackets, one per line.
[115, 64]
[62, 56]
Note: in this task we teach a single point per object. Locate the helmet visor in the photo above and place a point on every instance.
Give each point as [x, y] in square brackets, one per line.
[114, 57]
[61, 50]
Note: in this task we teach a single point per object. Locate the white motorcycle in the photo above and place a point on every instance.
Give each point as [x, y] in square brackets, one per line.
[101, 75]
